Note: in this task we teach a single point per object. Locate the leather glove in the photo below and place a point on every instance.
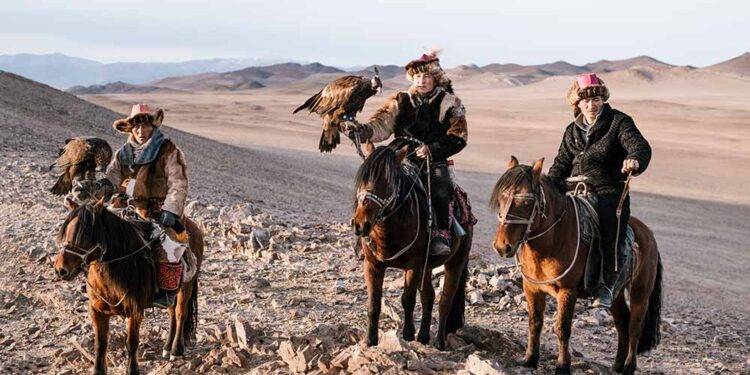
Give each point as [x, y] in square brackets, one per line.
[353, 128]
[169, 220]
[104, 188]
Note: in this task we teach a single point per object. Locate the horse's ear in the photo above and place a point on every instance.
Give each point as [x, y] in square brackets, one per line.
[72, 206]
[536, 170]
[512, 163]
[401, 154]
[369, 147]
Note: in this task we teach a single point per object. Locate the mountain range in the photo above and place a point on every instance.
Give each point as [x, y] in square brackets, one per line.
[63, 71]
[242, 74]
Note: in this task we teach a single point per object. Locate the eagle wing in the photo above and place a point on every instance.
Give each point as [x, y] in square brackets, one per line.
[80, 157]
[334, 96]
[344, 96]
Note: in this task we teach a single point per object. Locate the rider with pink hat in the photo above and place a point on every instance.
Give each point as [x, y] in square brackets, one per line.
[600, 148]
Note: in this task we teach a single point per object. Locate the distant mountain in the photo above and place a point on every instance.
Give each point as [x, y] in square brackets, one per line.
[386, 71]
[64, 71]
[248, 78]
[605, 66]
[118, 88]
[739, 65]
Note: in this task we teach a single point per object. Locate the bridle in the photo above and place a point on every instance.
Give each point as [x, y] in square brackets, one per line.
[385, 210]
[83, 254]
[538, 209]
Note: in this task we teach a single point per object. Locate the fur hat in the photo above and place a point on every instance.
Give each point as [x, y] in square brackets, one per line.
[586, 86]
[430, 64]
[139, 114]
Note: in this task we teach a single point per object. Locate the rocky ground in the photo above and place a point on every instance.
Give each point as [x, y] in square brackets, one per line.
[280, 293]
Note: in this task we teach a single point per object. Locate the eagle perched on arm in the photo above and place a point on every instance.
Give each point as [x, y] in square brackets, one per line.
[79, 159]
[340, 101]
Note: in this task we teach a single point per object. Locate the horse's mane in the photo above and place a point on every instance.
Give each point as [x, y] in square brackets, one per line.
[381, 165]
[514, 177]
[119, 238]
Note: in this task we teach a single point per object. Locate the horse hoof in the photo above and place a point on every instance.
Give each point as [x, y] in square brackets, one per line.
[531, 361]
[165, 354]
[423, 338]
[618, 367]
[629, 369]
[563, 370]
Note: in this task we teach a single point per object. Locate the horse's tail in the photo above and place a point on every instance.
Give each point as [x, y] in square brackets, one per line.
[458, 306]
[650, 336]
[191, 317]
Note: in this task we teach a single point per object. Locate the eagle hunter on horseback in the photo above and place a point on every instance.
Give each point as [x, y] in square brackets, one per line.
[553, 235]
[403, 188]
[142, 251]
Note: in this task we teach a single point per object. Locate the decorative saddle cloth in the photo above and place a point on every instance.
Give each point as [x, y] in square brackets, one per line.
[589, 223]
[174, 262]
[459, 206]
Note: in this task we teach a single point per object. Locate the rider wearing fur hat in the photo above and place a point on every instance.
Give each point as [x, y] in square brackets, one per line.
[151, 171]
[601, 147]
[431, 113]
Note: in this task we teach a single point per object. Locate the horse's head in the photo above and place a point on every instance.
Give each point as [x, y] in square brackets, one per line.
[376, 187]
[517, 199]
[79, 239]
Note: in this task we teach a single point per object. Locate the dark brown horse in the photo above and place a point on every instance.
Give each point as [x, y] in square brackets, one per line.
[392, 224]
[540, 227]
[121, 277]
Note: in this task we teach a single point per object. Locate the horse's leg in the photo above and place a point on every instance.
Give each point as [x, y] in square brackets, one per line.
[172, 325]
[100, 322]
[427, 297]
[374, 279]
[451, 281]
[621, 315]
[535, 307]
[181, 306]
[133, 326]
[566, 302]
[408, 300]
[638, 304]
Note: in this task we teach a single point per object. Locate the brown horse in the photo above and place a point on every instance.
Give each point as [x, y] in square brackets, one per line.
[121, 278]
[392, 225]
[543, 230]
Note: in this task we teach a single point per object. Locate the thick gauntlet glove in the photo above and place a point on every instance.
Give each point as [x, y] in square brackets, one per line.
[171, 220]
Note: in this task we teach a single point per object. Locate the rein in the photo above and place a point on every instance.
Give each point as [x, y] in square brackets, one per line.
[538, 209]
[385, 204]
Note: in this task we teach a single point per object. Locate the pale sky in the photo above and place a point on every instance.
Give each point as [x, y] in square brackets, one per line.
[347, 33]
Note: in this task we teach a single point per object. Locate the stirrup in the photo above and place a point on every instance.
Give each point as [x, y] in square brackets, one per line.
[164, 299]
[602, 302]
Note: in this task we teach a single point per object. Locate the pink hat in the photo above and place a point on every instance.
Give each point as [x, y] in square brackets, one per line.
[139, 114]
[588, 80]
[140, 108]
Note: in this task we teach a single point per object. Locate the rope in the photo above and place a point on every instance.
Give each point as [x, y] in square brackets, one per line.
[625, 191]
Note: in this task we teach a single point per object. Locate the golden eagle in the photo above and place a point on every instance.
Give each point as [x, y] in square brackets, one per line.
[340, 101]
[79, 159]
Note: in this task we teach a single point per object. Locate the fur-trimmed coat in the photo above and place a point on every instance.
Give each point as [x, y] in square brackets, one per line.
[612, 139]
[438, 120]
[159, 185]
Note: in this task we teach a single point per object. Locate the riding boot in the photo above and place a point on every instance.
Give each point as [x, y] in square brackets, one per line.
[442, 193]
[164, 298]
[609, 245]
[439, 247]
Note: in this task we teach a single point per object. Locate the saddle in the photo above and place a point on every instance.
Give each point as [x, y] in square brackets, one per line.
[174, 262]
[459, 206]
[588, 221]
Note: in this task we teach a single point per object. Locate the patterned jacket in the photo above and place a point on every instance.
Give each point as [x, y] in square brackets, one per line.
[159, 185]
[613, 138]
[438, 120]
